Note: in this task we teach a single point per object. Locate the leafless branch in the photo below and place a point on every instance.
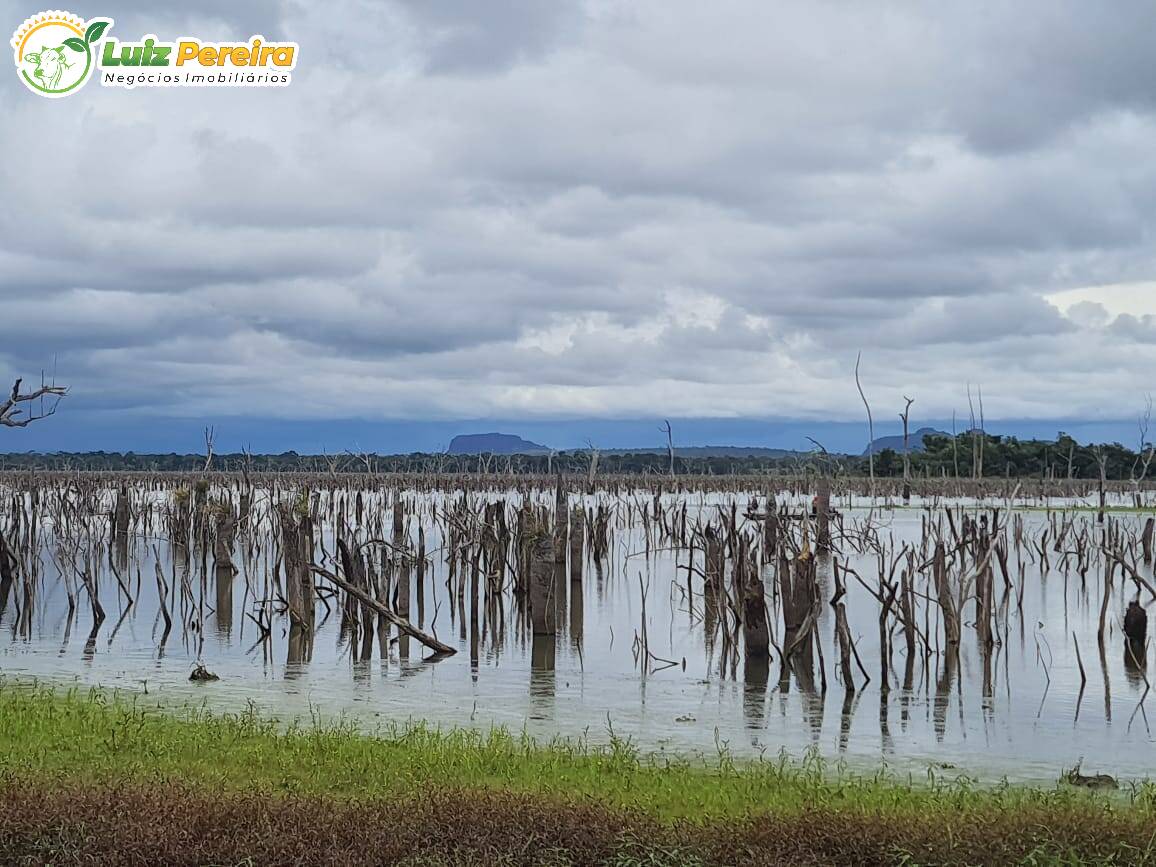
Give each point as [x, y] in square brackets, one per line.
[870, 428]
[13, 415]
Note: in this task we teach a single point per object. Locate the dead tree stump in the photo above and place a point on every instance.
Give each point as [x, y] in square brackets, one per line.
[542, 614]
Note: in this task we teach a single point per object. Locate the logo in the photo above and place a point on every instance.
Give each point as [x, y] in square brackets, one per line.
[57, 53]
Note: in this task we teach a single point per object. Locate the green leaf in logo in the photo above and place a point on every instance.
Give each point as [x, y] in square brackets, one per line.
[95, 31]
[75, 44]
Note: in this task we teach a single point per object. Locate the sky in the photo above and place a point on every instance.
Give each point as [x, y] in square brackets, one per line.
[568, 220]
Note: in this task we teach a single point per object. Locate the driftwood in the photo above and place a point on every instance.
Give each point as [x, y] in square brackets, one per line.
[403, 625]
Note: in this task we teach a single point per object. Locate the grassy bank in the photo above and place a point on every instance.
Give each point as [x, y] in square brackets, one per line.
[86, 776]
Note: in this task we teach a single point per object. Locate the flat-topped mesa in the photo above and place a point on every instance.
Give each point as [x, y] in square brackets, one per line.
[494, 443]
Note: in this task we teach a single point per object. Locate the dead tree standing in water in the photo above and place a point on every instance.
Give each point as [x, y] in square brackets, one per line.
[669, 444]
[906, 456]
[870, 429]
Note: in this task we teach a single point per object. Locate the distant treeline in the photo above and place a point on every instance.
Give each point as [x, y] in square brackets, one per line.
[973, 454]
[967, 455]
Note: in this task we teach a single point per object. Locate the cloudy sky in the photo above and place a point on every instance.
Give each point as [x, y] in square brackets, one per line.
[570, 216]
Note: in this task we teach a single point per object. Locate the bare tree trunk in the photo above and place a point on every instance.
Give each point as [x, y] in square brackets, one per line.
[577, 536]
[954, 445]
[842, 630]
[542, 581]
[669, 445]
[756, 630]
[402, 572]
[946, 598]
[823, 514]
[906, 457]
[870, 429]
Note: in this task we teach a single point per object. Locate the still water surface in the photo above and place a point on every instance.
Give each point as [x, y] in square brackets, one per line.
[1032, 725]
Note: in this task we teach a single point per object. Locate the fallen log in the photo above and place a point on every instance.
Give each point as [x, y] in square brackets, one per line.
[1131, 570]
[403, 625]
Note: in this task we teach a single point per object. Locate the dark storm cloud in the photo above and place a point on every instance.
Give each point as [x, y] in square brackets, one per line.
[522, 208]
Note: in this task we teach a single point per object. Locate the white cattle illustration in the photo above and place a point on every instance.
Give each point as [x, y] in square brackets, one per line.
[50, 66]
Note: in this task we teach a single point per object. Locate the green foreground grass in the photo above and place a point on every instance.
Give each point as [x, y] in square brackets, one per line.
[92, 735]
[89, 776]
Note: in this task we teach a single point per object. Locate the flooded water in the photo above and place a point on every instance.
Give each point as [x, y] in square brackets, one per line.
[1017, 711]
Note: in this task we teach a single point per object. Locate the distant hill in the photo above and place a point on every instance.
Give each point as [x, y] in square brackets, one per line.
[494, 443]
[895, 443]
[509, 444]
[708, 452]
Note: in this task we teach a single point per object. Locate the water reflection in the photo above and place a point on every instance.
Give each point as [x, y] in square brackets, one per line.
[756, 675]
[542, 678]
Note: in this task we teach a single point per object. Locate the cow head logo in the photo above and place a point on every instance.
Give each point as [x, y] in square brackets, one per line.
[55, 51]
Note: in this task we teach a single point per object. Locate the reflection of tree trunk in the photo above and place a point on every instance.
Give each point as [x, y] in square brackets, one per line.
[223, 573]
[986, 656]
[5, 592]
[475, 637]
[908, 685]
[1107, 686]
[887, 744]
[577, 613]
[710, 625]
[300, 649]
[846, 715]
[814, 707]
[1135, 660]
[943, 691]
[542, 652]
[561, 592]
[756, 674]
